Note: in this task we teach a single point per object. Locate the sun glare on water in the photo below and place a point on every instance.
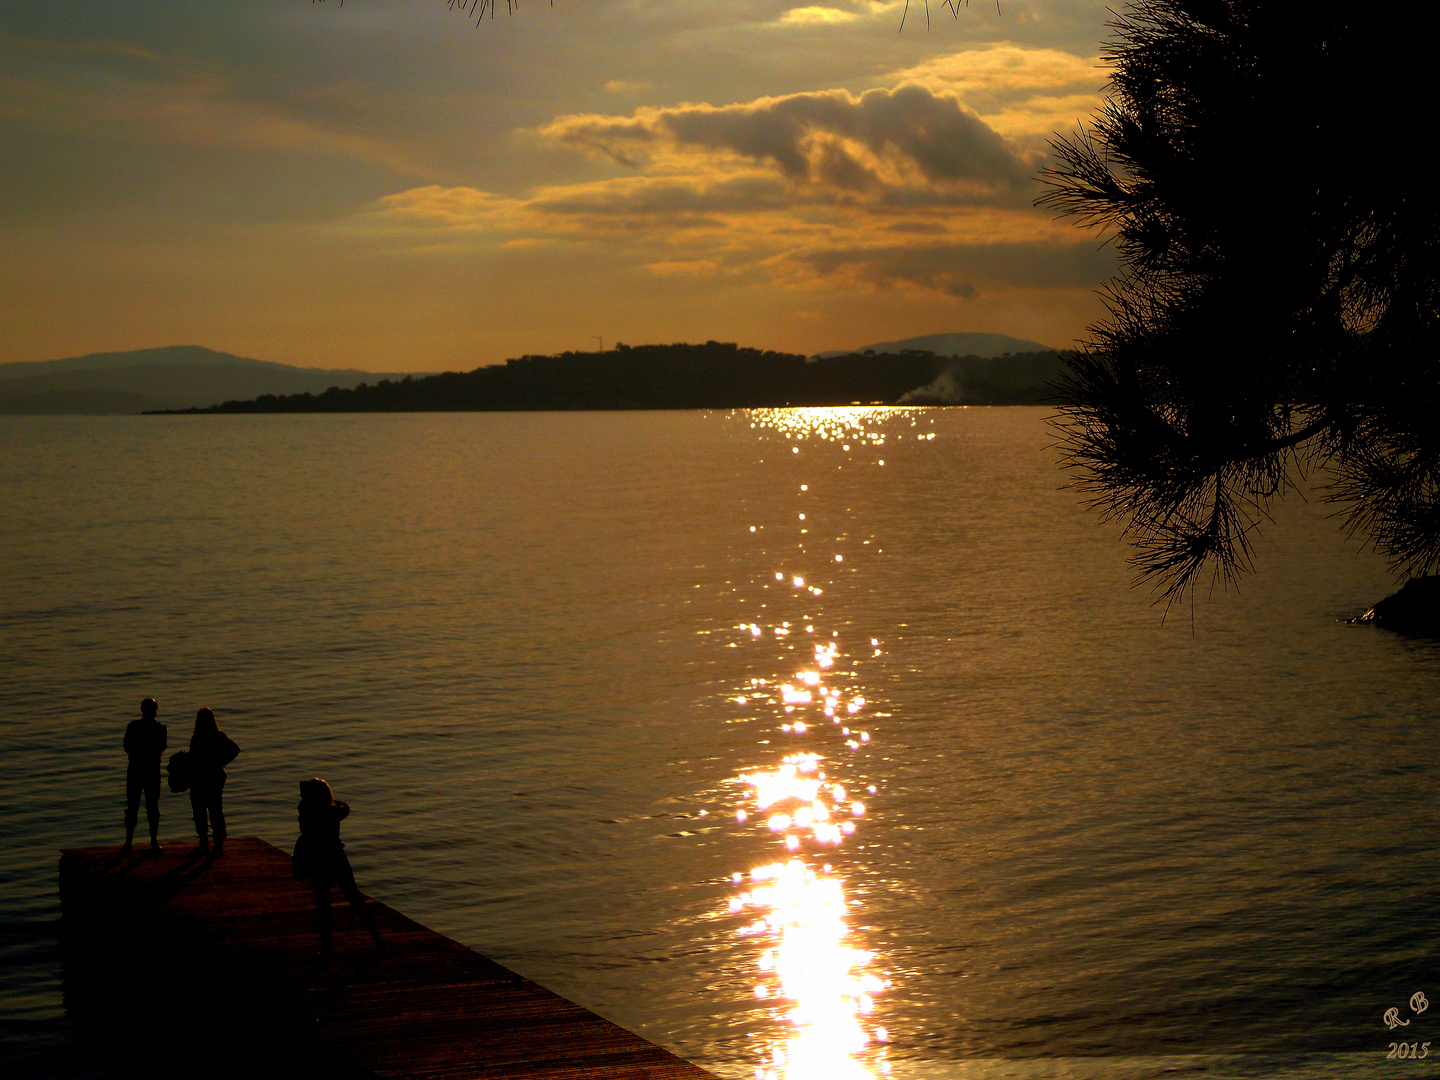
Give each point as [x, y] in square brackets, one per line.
[820, 984]
[821, 989]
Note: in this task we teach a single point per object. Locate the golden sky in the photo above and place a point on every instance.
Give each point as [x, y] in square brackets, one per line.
[386, 185]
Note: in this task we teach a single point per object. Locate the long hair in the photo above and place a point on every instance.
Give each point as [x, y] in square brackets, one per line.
[205, 728]
[315, 792]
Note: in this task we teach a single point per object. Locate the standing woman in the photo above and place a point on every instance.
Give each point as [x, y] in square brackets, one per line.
[320, 857]
[210, 751]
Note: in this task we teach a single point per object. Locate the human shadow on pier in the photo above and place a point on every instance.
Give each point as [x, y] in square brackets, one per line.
[135, 946]
[229, 967]
[153, 892]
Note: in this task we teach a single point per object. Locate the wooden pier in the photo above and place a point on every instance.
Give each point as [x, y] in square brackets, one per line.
[219, 959]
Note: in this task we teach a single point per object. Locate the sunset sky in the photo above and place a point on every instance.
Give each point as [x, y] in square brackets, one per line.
[386, 185]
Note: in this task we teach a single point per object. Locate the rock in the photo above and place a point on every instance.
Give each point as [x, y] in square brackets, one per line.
[1414, 609]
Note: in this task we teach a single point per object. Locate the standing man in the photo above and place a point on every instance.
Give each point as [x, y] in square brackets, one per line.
[145, 741]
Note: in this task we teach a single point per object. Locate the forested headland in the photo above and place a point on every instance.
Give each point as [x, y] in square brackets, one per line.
[715, 375]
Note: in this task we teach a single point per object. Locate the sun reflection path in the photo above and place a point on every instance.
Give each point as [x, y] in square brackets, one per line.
[820, 983]
[817, 983]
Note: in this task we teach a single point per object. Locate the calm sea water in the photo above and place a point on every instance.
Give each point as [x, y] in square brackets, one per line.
[547, 659]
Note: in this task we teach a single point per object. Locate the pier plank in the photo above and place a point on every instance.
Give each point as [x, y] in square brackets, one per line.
[424, 1008]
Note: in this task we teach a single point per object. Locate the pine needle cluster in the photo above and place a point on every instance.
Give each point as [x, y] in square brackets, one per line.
[1257, 166]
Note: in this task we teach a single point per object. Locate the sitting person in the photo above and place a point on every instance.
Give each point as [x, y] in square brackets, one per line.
[320, 857]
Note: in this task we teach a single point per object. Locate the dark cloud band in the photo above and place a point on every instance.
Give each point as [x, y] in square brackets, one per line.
[880, 139]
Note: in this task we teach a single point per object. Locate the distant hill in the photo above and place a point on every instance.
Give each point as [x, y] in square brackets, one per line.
[954, 345]
[173, 377]
[715, 375]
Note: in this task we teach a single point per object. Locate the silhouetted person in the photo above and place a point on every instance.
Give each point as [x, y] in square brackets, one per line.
[210, 751]
[322, 860]
[145, 741]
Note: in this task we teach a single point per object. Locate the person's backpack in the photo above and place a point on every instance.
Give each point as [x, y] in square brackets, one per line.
[179, 770]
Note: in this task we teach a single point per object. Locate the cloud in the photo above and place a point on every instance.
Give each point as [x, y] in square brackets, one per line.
[661, 200]
[903, 187]
[908, 136]
[817, 16]
[1021, 92]
[438, 209]
[753, 226]
[956, 268]
[81, 47]
[684, 268]
[115, 90]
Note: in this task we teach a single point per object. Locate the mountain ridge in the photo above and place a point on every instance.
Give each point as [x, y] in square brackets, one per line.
[167, 377]
[972, 343]
[713, 375]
